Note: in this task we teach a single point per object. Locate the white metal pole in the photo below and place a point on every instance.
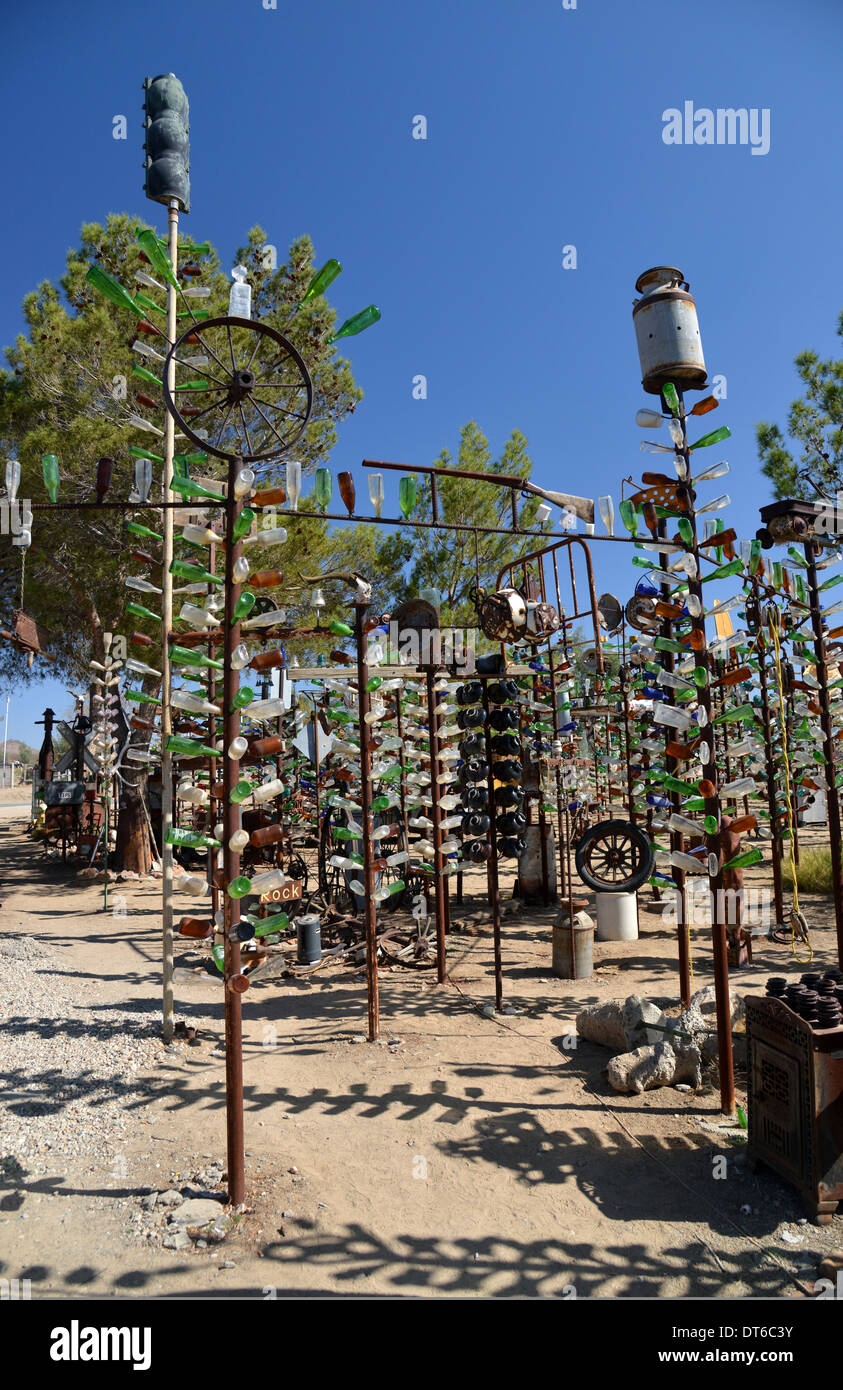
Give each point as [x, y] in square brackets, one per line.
[167, 945]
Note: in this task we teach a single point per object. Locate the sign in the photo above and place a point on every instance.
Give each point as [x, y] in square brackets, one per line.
[63, 793]
[289, 892]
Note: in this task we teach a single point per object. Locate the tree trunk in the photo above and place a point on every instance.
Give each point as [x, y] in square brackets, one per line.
[134, 852]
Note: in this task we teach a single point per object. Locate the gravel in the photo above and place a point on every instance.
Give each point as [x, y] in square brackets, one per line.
[69, 1072]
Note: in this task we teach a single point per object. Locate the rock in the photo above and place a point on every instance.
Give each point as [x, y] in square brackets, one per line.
[646, 1068]
[700, 1020]
[89, 873]
[148, 1203]
[603, 1023]
[196, 1211]
[637, 1014]
[177, 1240]
[170, 1198]
[212, 1234]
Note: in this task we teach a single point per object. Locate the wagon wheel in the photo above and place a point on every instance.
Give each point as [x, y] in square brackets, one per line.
[332, 884]
[251, 399]
[614, 856]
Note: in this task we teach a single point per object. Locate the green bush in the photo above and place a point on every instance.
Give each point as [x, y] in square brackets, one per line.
[813, 872]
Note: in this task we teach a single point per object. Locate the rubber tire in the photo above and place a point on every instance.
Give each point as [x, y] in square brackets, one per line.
[615, 827]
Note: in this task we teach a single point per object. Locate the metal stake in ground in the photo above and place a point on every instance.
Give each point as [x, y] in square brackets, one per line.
[231, 862]
[369, 907]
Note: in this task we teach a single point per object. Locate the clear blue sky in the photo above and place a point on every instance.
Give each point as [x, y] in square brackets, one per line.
[544, 129]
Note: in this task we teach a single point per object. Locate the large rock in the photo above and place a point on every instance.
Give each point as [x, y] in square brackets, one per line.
[700, 1020]
[622, 1024]
[603, 1023]
[196, 1211]
[646, 1068]
[637, 1014]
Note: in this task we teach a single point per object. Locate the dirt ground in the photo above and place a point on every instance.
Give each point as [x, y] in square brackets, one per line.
[463, 1154]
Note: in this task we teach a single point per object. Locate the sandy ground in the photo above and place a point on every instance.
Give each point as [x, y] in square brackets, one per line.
[461, 1155]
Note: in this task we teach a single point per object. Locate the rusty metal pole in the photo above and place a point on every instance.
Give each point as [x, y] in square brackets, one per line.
[212, 762]
[167, 937]
[770, 770]
[231, 861]
[720, 945]
[674, 768]
[436, 817]
[369, 907]
[833, 804]
[492, 862]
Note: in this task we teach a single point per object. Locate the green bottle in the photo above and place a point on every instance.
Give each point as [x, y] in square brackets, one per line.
[138, 697]
[743, 860]
[278, 921]
[50, 474]
[321, 280]
[357, 323]
[138, 451]
[190, 747]
[629, 516]
[754, 556]
[138, 611]
[244, 696]
[243, 524]
[146, 375]
[112, 289]
[686, 530]
[158, 258]
[193, 385]
[671, 398]
[240, 792]
[185, 570]
[192, 838]
[239, 887]
[138, 530]
[188, 488]
[742, 714]
[187, 656]
[218, 955]
[243, 606]
[713, 438]
[723, 571]
[340, 629]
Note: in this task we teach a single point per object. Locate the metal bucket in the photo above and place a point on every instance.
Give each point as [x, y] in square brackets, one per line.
[309, 937]
[667, 330]
[573, 955]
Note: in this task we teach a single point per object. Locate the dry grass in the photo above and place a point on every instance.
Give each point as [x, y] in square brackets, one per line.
[813, 872]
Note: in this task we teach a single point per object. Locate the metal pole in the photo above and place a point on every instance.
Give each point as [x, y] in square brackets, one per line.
[720, 946]
[821, 665]
[231, 863]
[363, 708]
[167, 945]
[492, 863]
[770, 771]
[5, 737]
[436, 817]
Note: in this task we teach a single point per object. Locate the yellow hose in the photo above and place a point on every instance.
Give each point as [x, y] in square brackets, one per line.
[774, 632]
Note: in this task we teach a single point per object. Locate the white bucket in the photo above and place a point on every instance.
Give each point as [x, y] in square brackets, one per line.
[617, 917]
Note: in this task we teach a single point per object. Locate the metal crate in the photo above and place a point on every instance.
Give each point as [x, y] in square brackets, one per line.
[795, 1102]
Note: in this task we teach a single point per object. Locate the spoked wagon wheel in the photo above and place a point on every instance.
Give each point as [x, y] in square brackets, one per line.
[332, 885]
[614, 856]
[242, 390]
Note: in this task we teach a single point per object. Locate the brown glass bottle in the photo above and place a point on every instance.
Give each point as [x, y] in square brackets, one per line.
[267, 835]
[742, 673]
[269, 497]
[266, 747]
[347, 492]
[196, 926]
[264, 661]
[140, 639]
[266, 579]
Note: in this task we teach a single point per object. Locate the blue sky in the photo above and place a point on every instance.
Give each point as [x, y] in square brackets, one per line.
[544, 130]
